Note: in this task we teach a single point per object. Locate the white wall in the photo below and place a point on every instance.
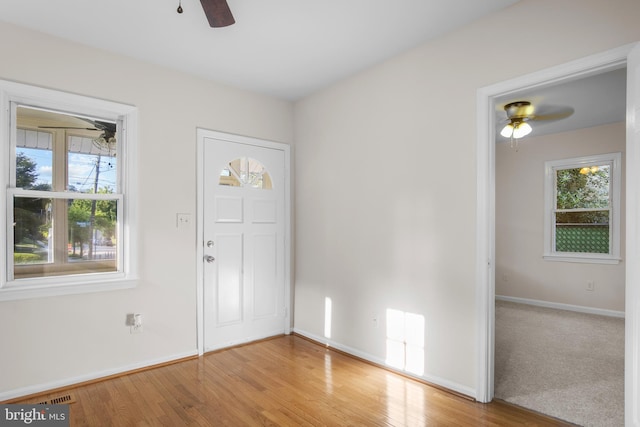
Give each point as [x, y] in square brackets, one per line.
[50, 340]
[385, 176]
[520, 270]
[385, 191]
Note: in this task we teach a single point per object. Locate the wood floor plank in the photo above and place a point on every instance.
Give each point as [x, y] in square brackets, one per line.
[285, 381]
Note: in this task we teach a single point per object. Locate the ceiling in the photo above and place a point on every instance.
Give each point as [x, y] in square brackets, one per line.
[596, 100]
[291, 48]
[284, 48]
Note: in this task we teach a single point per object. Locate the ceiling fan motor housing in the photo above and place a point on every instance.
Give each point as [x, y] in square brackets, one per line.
[521, 110]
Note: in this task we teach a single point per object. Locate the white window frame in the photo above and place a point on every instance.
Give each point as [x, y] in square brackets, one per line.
[126, 115]
[550, 254]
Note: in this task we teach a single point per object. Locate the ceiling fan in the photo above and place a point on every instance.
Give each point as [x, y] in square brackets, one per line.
[521, 113]
[217, 12]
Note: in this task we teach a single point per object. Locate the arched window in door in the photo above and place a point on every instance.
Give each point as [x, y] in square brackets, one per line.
[246, 172]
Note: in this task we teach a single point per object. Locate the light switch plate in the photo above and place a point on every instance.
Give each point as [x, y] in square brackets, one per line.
[183, 220]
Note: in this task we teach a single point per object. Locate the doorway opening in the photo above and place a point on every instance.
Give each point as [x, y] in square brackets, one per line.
[486, 212]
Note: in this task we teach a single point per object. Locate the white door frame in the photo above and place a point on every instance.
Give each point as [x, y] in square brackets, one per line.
[202, 134]
[485, 220]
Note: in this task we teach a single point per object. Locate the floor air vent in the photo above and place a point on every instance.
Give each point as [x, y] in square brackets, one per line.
[58, 400]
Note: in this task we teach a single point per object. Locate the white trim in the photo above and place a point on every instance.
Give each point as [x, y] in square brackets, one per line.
[39, 388]
[65, 101]
[632, 272]
[450, 385]
[485, 247]
[82, 287]
[201, 134]
[580, 258]
[560, 306]
[127, 117]
[485, 213]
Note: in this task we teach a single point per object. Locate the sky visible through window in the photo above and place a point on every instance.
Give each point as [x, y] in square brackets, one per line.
[82, 169]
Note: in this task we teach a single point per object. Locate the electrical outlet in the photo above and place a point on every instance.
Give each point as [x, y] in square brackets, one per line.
[135, 323]
[591, 285]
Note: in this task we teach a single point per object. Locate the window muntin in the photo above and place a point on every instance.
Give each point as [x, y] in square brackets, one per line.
[583, 199]
[79, 181]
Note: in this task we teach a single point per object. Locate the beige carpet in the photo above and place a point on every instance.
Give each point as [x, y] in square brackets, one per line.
[565, 364]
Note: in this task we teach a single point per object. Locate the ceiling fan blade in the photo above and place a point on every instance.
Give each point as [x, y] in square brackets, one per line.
[105, 126]
[65, 127]
[557, 115]
[218, 13]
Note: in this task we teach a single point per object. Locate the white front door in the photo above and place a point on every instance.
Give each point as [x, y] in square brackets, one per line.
[244, 237]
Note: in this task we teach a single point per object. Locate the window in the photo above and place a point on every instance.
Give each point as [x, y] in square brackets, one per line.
[246, 172]
[69, 202]
[582, 209]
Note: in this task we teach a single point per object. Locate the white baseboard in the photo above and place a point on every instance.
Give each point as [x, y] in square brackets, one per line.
[41, 388]
[441, 382]
[560, 306]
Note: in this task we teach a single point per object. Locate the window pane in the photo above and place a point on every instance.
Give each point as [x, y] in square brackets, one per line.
[86, 244]
[90, 173]
[33, 160]
[228, 179]
[246, 172]
[32, 231]
[92, 230]
[64, 152]
[583, 188]
[585, 232]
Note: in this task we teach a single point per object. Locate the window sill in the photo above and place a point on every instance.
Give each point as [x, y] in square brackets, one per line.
[581, 258]
[19, 292]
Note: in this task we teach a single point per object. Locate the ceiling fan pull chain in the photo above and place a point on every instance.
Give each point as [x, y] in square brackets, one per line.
[180, 6]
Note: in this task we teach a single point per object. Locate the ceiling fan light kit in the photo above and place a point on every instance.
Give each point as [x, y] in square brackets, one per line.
[516, 130]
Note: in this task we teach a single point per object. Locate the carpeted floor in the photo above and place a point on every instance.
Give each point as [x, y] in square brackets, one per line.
[561, 363]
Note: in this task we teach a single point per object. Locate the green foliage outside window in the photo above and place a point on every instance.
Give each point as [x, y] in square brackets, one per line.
[579, 190]
[30, 214]
[582, 195]
[32, 217]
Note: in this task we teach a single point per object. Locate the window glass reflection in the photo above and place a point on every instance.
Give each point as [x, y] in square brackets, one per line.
[246, 172]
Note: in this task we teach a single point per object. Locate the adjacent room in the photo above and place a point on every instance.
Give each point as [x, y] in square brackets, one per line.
[560, 279]
[174, 185]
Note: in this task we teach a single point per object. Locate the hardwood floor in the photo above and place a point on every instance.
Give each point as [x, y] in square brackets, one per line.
[285, 381]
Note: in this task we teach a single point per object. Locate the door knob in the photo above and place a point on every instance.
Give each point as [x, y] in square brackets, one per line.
[210, 243]
[209, 258]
